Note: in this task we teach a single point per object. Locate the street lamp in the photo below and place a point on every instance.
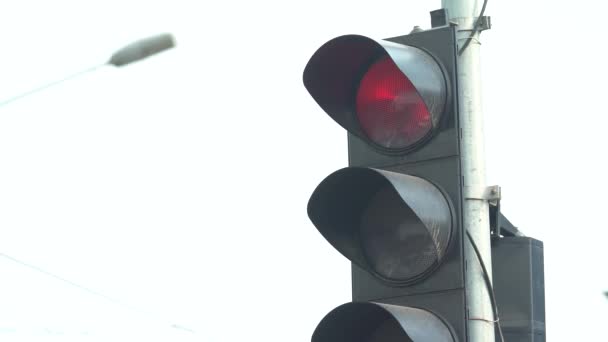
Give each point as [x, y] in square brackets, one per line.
[133, 52]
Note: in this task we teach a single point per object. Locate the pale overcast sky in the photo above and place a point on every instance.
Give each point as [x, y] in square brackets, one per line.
[177, 187]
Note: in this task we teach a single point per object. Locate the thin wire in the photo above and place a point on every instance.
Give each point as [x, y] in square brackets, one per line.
[50, 84]
[486, 277]
[475, 28]
[88, 290]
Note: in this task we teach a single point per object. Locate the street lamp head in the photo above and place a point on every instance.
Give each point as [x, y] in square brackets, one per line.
[141, 49]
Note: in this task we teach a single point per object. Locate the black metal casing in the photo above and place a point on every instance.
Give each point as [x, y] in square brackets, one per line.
[437, 161]
[519, 284]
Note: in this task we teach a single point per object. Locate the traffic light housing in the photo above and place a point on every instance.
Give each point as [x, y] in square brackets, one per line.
[396, 211]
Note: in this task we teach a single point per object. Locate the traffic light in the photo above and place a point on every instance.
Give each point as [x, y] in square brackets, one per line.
[396, 211]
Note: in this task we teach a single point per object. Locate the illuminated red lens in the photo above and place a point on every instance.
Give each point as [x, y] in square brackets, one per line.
[389, 109]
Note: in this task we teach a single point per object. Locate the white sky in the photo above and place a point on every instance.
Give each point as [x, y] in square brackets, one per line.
[178, 186]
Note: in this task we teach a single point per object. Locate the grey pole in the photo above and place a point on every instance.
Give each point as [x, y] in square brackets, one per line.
[476, 219]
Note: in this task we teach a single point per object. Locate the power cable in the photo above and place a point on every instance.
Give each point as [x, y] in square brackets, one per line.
[88, 290]
[475, 28]
[50, 84]
[486, 277]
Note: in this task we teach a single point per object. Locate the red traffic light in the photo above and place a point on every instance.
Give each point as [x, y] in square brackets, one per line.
[391, 95]
[396, 212]
[389, 109]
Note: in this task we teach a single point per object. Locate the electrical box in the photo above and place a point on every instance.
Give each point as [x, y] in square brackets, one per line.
[519, 286]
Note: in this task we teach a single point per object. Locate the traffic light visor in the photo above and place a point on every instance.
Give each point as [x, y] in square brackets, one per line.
[375, 322]
[395, 226]
[389, 94]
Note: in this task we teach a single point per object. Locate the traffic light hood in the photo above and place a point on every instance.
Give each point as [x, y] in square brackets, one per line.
[375, 322]
[395, 226]
[334, 75]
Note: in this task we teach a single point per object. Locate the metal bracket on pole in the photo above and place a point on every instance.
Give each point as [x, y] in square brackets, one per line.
[500, 226]
[485, 23]
[440, 18]
[490, 193]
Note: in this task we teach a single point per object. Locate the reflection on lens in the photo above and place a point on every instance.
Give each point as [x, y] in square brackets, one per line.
[396, 243]
[389, 108]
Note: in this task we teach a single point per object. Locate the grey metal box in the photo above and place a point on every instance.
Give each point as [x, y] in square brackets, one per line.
[519, 285]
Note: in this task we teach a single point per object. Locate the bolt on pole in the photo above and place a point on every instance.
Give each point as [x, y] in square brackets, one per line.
[476, 218]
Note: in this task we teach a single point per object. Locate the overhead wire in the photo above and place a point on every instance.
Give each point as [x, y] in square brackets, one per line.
[89, 290]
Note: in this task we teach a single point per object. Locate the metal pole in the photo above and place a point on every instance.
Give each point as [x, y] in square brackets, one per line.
[476, 218]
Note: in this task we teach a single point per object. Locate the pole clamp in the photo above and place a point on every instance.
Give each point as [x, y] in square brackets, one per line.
[485, 23]
[441, 18]
[491, 193]
[469, 23]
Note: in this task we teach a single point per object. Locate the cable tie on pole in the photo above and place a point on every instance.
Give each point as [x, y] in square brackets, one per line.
[472, 39]
[484, 320]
